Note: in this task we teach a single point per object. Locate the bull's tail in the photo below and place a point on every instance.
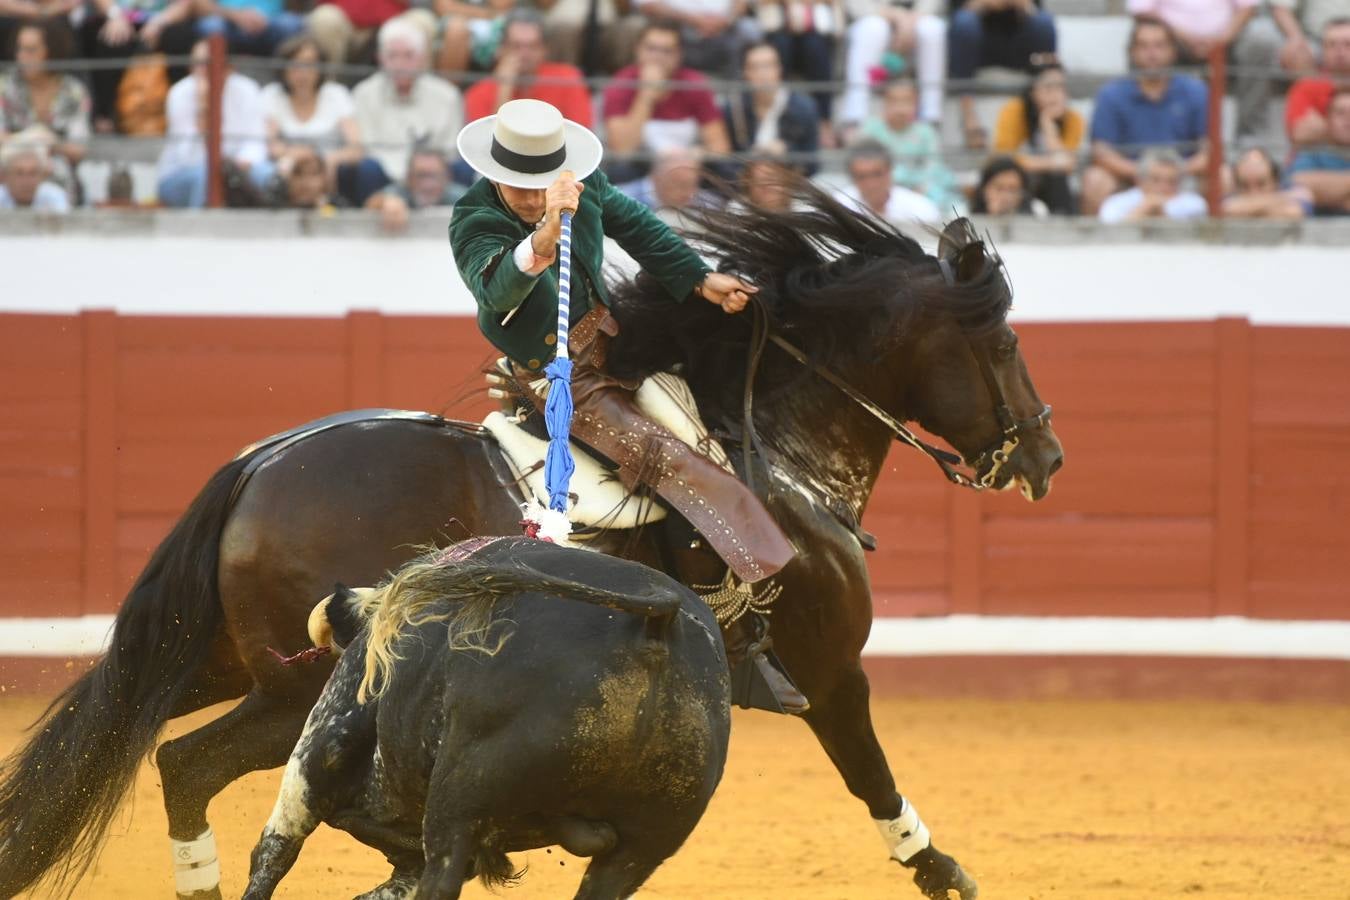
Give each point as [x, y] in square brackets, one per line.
[464, 594]
[59, 793]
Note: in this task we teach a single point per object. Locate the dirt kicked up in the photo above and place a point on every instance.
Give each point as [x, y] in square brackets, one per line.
[1079, 800]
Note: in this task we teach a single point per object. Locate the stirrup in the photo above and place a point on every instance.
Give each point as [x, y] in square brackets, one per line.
[760, 681]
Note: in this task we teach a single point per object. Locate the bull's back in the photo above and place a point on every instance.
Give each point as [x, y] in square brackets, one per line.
[582, 706]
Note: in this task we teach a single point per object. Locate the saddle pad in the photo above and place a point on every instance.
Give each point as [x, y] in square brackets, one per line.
[666, 400]
[601, 498]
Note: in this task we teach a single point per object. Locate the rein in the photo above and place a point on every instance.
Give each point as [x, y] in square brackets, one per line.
[998, 455]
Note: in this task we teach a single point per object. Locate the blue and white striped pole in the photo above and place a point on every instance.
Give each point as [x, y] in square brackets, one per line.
[558, 464]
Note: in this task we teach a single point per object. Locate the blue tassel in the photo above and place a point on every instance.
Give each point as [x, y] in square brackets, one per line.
[558, 464]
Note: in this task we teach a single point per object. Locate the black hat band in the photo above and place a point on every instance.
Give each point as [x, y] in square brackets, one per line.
[529, 165]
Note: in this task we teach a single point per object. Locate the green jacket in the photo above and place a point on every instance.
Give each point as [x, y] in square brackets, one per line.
[484, 233]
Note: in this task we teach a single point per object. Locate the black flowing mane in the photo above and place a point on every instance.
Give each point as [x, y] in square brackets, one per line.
[840, 285]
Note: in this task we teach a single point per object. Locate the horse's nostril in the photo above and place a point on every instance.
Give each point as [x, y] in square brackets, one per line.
[1055, 466]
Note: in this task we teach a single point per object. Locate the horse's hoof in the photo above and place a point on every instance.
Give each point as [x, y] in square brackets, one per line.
[937, 875]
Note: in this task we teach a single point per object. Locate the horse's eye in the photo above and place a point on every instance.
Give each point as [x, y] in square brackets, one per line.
[1006, 352]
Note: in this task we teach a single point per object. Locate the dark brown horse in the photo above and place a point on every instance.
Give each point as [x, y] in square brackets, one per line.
[923, 338]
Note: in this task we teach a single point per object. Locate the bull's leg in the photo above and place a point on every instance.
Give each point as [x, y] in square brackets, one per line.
[403, 849]
[400, 886]
[843, 723]
[450, 852]
[294, 818]
[321, 776]
[617, 874]
[257, 734]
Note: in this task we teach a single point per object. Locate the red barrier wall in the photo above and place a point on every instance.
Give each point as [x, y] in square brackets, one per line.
[1203, 471]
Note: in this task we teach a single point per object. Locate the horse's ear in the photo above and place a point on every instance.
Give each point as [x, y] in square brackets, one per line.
[955, 236]
[342, 592]
[970, 260]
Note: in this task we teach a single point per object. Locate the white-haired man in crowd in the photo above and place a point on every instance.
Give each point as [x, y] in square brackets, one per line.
[24, 167]
[672, 185]
[402, 105]
[873, 191]
[1159, 194]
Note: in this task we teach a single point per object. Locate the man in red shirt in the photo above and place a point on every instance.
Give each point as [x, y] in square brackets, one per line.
[656, 104]
[1305, 112]
[523, 72]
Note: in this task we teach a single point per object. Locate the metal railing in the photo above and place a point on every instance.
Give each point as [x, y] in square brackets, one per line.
[1216, 72]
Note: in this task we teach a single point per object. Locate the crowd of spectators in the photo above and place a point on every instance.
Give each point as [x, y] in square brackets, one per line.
[357, 103]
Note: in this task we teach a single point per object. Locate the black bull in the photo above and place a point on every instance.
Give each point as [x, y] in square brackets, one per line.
[572, 724]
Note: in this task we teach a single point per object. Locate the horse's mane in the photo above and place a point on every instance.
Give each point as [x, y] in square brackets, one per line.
[839, 284]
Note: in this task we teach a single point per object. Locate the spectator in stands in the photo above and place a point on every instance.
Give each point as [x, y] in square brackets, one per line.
[402, 105]
[524, 72]
[471, 30]
[252, 27]
[603, 47]
[765, 182]
[914, 145]
[656, 104]
[307, 112]
[886, 37]
[1045, 135]
[306, 183]
[768, 117]
[34, 96]
[1305, 114]
[712, 31]
[24, 167]
[673, 182]
[1252, 44]
[345, 28]
[1006, 33]
[118, 29]
[182, 163]
[1256, 177]
[1005, 190]
[1152, 107]
[428, 186]
[804, 35]
[1299, 21]
[1159, 194]
[873, 191]
[1326, 172]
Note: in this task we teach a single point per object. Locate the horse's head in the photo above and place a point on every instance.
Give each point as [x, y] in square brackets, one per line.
[971, 386]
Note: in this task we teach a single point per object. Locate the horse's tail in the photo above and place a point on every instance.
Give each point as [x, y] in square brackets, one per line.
[59, 793]
[464, 594]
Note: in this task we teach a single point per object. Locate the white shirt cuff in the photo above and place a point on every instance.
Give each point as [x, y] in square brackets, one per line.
[524, 257]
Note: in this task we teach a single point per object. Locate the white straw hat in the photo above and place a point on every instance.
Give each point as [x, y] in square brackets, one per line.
[527, 143]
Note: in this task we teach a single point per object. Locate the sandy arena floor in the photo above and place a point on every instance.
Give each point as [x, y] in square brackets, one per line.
[1072, 800]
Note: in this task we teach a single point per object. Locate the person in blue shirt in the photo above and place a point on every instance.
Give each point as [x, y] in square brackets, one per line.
[1151, 108]
[1325, 171]
[252, 27]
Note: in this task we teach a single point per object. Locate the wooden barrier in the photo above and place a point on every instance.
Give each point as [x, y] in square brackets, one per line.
[1202, 475]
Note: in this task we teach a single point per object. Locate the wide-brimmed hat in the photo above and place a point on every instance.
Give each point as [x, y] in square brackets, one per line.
[527, 143]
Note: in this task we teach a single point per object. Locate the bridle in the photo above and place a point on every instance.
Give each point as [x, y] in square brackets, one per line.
[996, 455]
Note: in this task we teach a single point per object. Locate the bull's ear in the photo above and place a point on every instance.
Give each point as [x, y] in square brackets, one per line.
[956, 235]
[342, 592]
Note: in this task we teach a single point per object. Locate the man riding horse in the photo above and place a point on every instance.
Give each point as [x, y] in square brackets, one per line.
[505, 234]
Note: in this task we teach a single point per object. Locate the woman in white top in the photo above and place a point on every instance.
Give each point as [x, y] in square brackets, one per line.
[306, 110]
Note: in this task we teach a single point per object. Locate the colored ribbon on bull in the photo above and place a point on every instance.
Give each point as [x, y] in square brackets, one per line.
[558, 463]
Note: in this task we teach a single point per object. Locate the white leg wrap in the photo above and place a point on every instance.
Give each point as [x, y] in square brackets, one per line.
[905, 835]
[196, 867]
